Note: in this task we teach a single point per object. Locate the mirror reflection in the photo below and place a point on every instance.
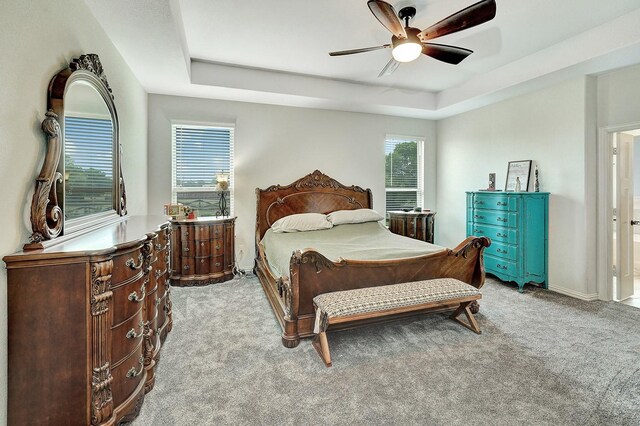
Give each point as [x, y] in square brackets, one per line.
[88, 153]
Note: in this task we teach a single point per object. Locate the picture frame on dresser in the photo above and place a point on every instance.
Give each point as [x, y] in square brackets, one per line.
[518, 169]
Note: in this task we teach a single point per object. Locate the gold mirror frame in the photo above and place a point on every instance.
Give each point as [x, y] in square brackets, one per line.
[47, 216]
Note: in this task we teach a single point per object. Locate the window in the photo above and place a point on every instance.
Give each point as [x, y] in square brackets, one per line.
[404, 172]
[199, 153]
[88, 166]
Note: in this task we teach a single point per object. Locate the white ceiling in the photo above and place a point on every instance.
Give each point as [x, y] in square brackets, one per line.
[276, 51]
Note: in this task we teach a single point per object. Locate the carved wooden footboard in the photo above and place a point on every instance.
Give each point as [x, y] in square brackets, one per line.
[311, 273]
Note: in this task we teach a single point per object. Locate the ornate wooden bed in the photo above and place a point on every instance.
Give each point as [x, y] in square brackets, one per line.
[311, 273]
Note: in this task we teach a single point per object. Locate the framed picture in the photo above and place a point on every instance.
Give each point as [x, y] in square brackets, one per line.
[518, 170]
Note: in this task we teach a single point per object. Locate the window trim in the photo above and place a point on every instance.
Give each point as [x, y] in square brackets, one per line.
[203, 124]
[421, 141]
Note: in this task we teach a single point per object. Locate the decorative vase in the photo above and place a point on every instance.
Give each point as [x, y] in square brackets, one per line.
[537, 183]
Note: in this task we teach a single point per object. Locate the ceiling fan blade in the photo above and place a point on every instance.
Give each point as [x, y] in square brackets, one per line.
[386, 14]
[468, 17]
[364, 49]
[388, 69]
[445, 53]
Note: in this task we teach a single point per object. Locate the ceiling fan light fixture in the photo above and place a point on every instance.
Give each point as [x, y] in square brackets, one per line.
[406, 52]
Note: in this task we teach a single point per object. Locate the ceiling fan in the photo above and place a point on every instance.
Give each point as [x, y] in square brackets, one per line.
[408, 43]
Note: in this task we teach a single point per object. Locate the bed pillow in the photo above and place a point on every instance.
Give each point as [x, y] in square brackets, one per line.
[340, 217]
[301, 222]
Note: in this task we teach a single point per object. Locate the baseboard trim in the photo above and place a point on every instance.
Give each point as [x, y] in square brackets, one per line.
[574, 294]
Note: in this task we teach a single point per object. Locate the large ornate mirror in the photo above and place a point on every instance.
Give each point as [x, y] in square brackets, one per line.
[80, 185]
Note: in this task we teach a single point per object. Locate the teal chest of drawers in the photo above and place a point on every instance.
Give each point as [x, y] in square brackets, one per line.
[518, 225]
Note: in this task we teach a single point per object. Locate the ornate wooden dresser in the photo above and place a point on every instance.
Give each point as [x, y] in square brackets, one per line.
[87, 317]
[203, 250]
[418, 225]
[518, 225]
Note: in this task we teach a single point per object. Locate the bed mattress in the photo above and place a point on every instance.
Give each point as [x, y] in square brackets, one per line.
[362, 241]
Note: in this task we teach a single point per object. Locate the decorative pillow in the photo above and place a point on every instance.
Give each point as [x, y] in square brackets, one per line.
[301, 222]
[340, 217]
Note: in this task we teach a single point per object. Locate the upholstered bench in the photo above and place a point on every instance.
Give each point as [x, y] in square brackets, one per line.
[374, 302]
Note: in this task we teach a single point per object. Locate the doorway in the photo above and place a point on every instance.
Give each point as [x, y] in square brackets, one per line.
[625, 200]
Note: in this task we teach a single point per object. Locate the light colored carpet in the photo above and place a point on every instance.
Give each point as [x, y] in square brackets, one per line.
[543, 359]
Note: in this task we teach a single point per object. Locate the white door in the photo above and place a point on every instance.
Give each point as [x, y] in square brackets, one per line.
[624, 216]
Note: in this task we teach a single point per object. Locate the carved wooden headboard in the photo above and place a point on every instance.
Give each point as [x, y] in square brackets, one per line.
[314, 193]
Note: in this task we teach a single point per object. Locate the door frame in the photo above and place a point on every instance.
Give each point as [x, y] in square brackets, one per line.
[604, 222]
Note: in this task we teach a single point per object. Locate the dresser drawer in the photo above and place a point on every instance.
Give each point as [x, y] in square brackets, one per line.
[495, 233]
[502, 250]
[128, 299]
[127, 376]
[126, 265]
[187, 233]
[126, 337]
[502, 266]
[495, 202]
[163, 238]
[497, 218]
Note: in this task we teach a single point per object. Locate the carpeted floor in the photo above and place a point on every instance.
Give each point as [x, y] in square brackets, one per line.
[543, 359]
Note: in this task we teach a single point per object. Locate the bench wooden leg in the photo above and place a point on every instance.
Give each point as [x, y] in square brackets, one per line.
[322, 347]
[473, 324]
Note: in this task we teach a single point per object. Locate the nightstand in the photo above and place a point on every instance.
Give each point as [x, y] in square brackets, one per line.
[417, 225]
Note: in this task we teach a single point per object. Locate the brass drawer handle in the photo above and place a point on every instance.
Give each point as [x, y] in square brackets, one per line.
[158, 273]
[502, 219]
[499, 203]
[502, 251]
[131, 334]
[134, 295]
[131, 263]
[186, 267]
[158, 247]
[501, 267]
[132, 371]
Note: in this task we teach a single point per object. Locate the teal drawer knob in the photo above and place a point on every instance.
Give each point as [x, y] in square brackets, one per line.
[502, 251]
[478, 216]
[500, 203]
[502, 219]
[504, 268]
[500, 234]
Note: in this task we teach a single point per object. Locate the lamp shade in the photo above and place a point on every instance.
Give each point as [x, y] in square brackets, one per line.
[222, 181]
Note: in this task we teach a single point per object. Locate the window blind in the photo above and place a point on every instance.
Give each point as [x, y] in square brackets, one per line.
[89, 166]
[199, 153]
[403, 172]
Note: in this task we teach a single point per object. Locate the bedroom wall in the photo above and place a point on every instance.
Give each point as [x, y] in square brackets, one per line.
[38, 39]
[549, 126]
[275, 144]
[619, 97]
